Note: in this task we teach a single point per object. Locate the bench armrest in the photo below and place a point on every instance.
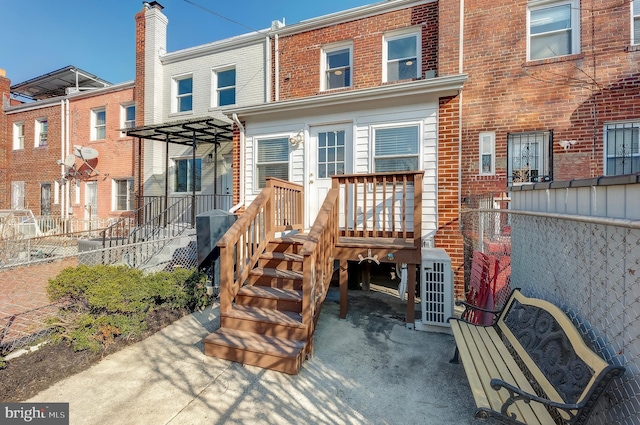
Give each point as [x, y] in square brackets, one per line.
[470, 307]
[516, 394]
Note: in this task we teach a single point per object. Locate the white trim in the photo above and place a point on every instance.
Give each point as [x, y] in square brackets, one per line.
[330, 48]
[94, 121]
[255, 147]
[633, 23]
[17, 143]
[123, 115]
[174, 92]
[396, 124]
[492, 136]
[214, 83]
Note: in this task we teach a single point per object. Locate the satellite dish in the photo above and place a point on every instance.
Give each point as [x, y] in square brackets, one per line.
[70, 161]
[85, 153]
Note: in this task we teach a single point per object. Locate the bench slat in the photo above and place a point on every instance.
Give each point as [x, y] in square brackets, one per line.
[484, 357]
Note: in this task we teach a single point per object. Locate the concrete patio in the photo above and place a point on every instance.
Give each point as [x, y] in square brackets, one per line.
[368, 369]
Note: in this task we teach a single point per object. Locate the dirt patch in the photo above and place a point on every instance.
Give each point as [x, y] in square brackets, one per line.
[27, 375]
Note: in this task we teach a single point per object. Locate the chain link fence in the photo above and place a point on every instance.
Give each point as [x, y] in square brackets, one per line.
[27, 266]
[587, 266]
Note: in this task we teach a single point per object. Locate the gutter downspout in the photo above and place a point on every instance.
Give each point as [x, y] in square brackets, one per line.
[277, 69]
[460, 125]
[241, 166]
[67, 205]
[62, 122]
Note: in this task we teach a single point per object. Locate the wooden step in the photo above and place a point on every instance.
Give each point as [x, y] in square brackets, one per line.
[291, 244]
[280, 354]
[267, 297]
[286, 279]
[281, 261]
[282, 324]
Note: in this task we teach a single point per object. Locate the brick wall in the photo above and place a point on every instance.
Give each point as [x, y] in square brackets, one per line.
[34, 165]
[448, 235]
[116, 159]
[300, 54]
[5, 141]
[572, 95]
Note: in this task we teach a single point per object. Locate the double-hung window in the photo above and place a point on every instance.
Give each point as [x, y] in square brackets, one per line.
[185, 171]
[18, 135]
[622, 148]
[183, 89]
[402, 56]
[337, 67]
[225, 84]
[487, 152]
[528, 157]
[128, 116]
[396, 148]
[41, 133]
[99, 124]
[123, 194]
[272, 160]
[635, 21]
[553, 29]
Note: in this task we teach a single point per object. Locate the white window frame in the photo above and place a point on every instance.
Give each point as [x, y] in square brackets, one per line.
[635, 21]
[128, 195]
[490, 138]
[544, 157]
[174, 174]
[395, 35]
[256, 180]
[18, 135]
[538, 5]
[418, 155]
[18, 193]
[40, 138]
[175, 97]
[624, 151]
[95, 126]
[124, 122]
[215, 97]
[327, 50]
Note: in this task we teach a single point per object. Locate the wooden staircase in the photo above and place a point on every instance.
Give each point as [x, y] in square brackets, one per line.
[264, 327]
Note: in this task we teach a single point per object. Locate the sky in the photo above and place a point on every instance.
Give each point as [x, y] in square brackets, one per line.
[40, 36]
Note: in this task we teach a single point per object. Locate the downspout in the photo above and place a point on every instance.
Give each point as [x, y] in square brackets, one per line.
[62, 131]
[241, 166]
[277, 69]
[460, 127]
[67, 195]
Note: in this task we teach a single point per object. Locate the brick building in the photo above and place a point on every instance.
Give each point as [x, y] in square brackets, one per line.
[553, 92]
[64, 152]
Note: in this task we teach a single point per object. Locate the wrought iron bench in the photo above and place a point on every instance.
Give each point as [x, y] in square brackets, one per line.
[531, 366]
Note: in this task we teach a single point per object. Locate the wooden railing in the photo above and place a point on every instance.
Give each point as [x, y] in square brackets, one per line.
[318, 259]
[381, 205]
[278, 207]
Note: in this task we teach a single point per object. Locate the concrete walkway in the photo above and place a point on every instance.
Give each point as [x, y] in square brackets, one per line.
[368, 369]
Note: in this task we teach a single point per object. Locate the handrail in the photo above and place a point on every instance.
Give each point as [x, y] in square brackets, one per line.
[318, 255]
[244, 242]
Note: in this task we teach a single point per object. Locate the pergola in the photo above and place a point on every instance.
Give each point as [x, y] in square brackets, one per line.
[184, 132]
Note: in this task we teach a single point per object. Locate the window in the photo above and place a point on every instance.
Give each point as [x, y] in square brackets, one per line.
[487, 152]
[402, 57]
[622, 149]
[17, 195]
[272, 160]
[41, 133]
[528, 158]
[183, 89]
[99, 124]
[184, 174]
[225, 83]
[396, 149]
[128, 116]
[635, 17]
[123, 194]
[337, 67]
[18, 135]
[553, 30]
[330, 153]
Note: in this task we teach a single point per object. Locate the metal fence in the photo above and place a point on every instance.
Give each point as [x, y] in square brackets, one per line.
[587, 266]
[24, 304]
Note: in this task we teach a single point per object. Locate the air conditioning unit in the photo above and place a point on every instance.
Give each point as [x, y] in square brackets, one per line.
[436, 291]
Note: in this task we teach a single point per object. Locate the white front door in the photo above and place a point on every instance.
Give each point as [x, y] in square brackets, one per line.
[90, 205]
[329, 147]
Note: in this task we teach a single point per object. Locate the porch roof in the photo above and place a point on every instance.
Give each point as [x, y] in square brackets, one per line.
[204, 130]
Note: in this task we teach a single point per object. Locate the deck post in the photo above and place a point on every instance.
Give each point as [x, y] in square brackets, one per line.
[344, 286]
[411, 294]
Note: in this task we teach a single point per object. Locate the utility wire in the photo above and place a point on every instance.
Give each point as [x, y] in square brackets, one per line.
[225, 18]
